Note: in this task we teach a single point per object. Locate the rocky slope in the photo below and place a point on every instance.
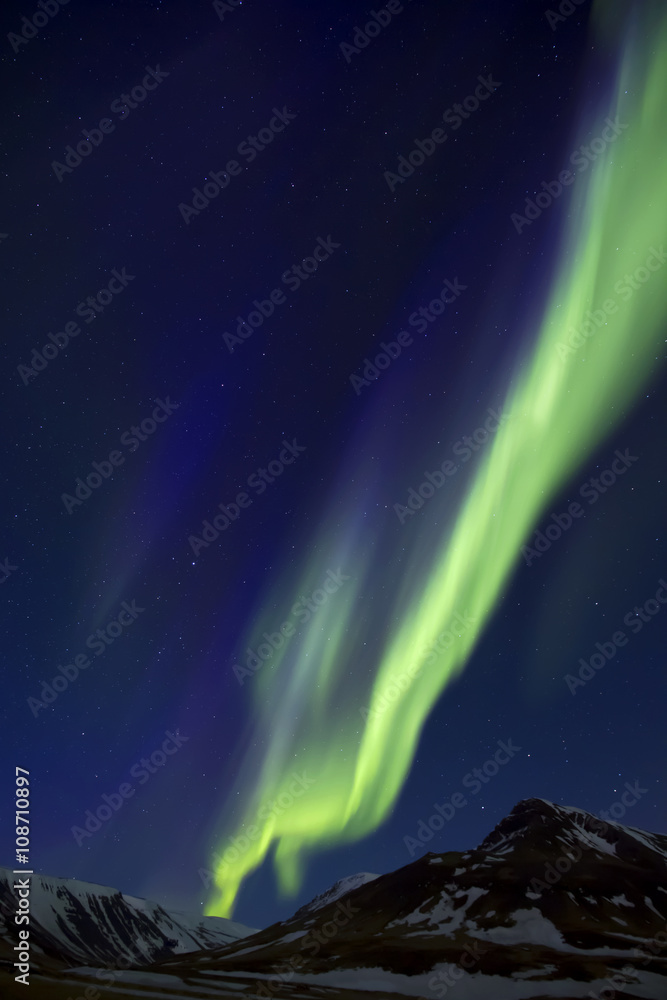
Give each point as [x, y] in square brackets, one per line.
[554, 903]
[76, 923]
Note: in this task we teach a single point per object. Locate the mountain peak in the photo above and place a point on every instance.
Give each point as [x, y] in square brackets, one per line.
[527, 815]
[334, 892]
[85, 923]
[541, 825]
[554, 897]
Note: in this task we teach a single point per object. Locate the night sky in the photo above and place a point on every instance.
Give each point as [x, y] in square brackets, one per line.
[203, 357]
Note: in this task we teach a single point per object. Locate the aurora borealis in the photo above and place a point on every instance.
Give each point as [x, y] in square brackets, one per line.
[399, 296]
[557, 412]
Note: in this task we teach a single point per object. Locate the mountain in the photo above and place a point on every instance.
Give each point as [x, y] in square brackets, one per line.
[337, 890]
[76, 923]
[554, 903]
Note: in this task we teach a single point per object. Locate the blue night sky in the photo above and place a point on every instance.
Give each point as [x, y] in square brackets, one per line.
[211, 360]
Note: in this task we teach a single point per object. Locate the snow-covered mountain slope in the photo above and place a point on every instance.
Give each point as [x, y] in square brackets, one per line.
[78, 923]
[553, 904]
[550, 904]
[338, 889]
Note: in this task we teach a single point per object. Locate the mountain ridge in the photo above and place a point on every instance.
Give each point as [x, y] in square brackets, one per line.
[554, 903]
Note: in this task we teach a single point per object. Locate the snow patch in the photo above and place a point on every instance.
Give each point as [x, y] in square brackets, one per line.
[292, 936]
[650, 905]
[530, 927]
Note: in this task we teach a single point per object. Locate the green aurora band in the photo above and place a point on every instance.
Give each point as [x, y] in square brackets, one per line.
[562, 405]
